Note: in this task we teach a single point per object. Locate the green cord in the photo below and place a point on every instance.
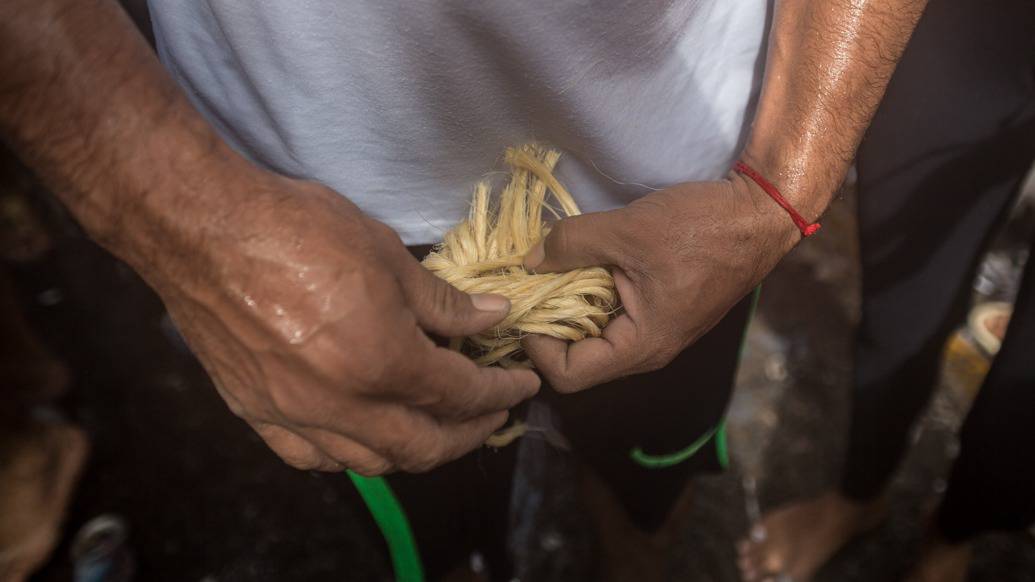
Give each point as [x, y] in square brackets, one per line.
[391, 520]
[719, 432]
[663, 461]
[722, 447]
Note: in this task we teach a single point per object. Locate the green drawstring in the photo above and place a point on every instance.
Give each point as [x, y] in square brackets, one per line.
[395, 528]
[719, 432]
[662, 461]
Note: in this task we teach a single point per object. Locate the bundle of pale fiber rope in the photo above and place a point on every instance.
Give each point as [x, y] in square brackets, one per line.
[483, 254]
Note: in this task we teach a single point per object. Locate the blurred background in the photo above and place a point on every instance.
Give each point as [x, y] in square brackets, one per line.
[115, 444]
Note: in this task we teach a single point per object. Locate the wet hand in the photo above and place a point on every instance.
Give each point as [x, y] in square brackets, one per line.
[312, 320]
[681, 258]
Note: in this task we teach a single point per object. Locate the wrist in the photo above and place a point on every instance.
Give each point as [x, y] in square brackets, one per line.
[807, 181]
[768, 222]
[166, 196]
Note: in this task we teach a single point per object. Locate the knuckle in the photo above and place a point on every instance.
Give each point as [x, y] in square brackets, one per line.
[374, 371]
[422, 465]
[431, 398]
[565, 384]
[383, 232]
[422, 456]
[302, 464]
[559, 240]
[372, 466]
[446, 298]
[302, 458]
[291, 449]
[462, 397]
[286, 403]
[399, 446]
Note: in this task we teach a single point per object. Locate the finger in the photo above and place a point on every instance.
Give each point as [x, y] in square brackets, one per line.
[447, 384]
[293, 449]
[413, 440]
[445, 310]
[444, 442]
[461, 438]
[455, 388]
[348, 452]
[574, 242]
[573, 366]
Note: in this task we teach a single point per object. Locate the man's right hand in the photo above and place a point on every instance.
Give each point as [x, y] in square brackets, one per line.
[310, 318]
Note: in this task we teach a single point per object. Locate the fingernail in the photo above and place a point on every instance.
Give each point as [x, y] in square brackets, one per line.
[535, 257]
[490, 302]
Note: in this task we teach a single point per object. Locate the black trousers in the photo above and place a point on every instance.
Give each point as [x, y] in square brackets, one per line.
[665, 416]
[938, 170]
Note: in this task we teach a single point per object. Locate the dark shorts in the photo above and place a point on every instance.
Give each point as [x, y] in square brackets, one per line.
[645, 436]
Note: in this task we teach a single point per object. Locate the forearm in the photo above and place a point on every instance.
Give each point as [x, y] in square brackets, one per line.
[828, 64]
[85, 103]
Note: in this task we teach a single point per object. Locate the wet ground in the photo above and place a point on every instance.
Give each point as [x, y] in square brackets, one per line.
[205, 499]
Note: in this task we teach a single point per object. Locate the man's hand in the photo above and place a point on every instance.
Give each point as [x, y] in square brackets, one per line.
[310, 317]
[681, 258]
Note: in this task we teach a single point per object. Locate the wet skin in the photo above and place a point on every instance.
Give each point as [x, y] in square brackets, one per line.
[310, 317]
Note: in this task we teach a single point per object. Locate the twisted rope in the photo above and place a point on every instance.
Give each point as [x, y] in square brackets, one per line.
[483, 254]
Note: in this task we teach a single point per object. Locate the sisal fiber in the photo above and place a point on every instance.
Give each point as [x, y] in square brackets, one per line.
[483, 254]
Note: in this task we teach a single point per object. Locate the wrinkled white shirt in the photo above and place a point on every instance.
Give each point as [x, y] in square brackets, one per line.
[402, 105]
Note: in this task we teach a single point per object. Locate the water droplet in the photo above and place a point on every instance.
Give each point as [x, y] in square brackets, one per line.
[477, 563]
[551, 542]
[50, 297]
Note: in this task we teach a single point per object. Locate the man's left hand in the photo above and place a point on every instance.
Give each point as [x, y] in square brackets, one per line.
[681, 258]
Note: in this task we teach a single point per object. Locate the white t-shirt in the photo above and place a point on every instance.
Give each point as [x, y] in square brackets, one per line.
[402, 105]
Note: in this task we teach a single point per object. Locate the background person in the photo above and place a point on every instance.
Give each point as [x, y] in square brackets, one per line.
[939, 169]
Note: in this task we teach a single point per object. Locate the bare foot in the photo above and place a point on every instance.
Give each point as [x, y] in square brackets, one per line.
[795, 540]
[941, 561]
[37, 477]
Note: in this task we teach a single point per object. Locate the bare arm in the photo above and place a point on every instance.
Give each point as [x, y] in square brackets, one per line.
[308, 315]
[828, 64]
[86, 104]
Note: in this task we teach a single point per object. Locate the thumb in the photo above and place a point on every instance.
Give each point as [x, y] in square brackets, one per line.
[445, 310]
[574, 242]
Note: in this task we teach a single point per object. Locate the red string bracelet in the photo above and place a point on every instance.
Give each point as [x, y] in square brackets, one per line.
[802, 224]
